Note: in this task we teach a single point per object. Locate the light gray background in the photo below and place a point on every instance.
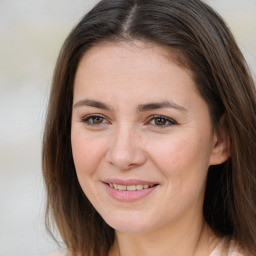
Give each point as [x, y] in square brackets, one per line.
[31, 34]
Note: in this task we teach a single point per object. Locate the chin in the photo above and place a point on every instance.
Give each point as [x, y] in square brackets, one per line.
[129, 223]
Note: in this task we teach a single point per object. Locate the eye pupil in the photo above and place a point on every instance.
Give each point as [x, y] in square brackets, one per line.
[160, 121]
[97, 120]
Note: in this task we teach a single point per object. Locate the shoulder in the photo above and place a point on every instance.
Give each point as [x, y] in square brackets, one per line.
[228, 247]
[62, 252]
[235, 250]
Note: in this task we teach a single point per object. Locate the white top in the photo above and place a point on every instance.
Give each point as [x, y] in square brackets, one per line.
[227, 248]
[224, 248]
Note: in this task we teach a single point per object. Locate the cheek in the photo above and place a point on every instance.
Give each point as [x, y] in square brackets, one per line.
[169, 155]
[87, 153]
[181, 156]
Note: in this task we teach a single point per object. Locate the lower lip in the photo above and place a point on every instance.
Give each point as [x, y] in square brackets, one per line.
[128, 196]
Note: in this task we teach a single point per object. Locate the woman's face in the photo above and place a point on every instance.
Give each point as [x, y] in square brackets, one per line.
[141, 136]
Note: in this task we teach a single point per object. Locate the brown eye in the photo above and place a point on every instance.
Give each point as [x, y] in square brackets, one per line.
[94, 120]
[97, 120]
[160, 121]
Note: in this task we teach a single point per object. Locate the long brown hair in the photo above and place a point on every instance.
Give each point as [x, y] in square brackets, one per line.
[202, 42]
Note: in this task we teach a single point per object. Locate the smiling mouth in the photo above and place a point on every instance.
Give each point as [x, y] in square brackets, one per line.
[130, 187]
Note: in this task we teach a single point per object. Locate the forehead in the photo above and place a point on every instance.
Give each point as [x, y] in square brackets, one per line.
[133, 56]
[136, 59]
[134, 72]
[170, 54]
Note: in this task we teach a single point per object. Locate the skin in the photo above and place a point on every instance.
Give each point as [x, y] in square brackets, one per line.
[128, 142]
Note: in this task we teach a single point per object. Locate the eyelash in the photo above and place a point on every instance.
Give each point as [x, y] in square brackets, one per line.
[168, 121]
[89, 120]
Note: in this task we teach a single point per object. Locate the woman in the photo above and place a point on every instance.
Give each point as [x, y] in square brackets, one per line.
[150, 134]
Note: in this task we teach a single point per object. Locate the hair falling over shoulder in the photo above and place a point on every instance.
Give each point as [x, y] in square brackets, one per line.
[199, 40]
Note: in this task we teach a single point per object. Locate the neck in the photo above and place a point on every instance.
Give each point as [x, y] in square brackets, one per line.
[196, 239]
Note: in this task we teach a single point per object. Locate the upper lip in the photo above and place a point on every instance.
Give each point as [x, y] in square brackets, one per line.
[129, 182]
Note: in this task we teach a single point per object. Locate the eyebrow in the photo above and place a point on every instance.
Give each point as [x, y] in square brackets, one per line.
[91, 103]
[158, 105]
[141, 108]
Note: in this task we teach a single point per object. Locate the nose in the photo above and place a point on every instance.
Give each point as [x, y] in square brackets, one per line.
[126, 150]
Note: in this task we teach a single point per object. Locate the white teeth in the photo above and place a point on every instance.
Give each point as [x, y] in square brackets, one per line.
[121, 187]
[129, 187]
[139, 187]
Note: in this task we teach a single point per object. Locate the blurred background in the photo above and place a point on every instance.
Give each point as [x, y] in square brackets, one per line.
[31, 34]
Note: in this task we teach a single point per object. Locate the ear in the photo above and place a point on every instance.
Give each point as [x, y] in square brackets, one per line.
[221, 143]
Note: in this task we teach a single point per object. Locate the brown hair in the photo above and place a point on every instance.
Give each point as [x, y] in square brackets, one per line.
[198, 35]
